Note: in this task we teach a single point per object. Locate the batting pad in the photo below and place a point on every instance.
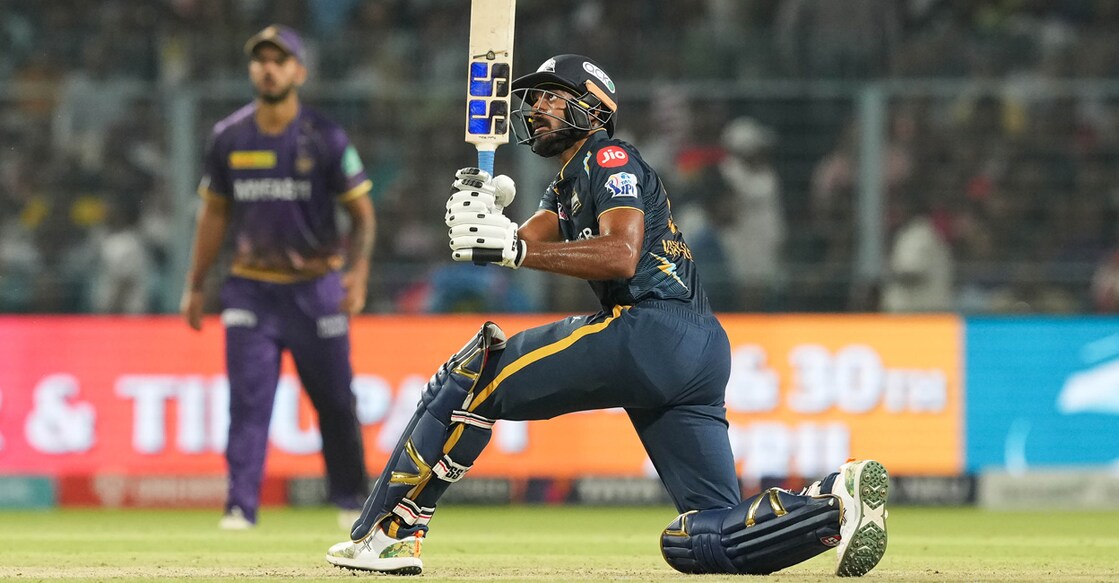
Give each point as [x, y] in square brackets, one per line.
[766, 533]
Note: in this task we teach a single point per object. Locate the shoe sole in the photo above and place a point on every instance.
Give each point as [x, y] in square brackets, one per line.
[235, 524]
[868, 543]
[235, 527]
[393, 566]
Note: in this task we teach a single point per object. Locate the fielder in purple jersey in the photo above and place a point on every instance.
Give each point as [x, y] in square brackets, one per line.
[275, 172]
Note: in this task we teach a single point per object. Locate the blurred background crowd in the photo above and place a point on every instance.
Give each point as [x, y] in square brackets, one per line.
[821, 156]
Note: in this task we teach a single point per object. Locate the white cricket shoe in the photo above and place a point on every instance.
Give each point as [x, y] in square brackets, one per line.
[379, 552]
[235, 520]
[862, 487]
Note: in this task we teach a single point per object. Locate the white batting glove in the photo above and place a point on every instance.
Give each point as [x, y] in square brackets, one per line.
[468, 205]
[488, 238]
[496, 193]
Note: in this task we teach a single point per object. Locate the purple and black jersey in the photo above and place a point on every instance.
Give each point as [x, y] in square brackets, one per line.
[608, 174]
[284, 189]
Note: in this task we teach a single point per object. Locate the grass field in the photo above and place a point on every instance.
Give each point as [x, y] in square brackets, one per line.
[527, 543]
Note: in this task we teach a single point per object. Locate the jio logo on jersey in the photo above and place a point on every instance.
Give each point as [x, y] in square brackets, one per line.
[612, 157]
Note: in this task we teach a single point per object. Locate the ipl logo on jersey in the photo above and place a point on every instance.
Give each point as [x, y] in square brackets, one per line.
[622, 184]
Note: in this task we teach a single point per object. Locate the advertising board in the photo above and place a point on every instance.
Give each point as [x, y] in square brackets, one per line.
[147, 396]
[1043, 393]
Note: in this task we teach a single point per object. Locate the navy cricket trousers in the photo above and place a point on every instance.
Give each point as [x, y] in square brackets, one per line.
[666, 365]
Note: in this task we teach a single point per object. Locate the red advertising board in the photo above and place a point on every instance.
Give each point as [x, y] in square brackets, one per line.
[147, 396]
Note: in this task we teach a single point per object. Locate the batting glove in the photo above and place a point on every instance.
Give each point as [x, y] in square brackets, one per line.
[495, 193]
[486, 238]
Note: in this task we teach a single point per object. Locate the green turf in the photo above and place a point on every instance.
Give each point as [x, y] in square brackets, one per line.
[527, 543]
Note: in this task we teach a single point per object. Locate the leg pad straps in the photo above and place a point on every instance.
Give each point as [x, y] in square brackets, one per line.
[423, 444]
[764, 534]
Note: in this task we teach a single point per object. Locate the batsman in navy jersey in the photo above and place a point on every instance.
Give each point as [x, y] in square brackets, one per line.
[655, 349]
[276, 172]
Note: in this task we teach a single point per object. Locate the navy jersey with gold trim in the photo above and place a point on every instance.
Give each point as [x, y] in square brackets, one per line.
[608, 174]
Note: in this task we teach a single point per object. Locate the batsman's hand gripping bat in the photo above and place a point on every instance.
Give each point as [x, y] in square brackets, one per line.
[490, 76]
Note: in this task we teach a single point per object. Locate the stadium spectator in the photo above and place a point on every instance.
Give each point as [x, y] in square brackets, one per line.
[855, 39]
[706, 218]
[1105, 285]
[92, 98]
[920, 269]
[755, 237]
[1011, 53]
[124, 270]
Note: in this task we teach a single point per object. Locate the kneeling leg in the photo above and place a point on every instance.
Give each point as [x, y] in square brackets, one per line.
[766, 533]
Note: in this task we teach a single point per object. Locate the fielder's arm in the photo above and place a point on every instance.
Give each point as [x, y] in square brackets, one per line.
[363, 233]
[213, 219]
[613, 254]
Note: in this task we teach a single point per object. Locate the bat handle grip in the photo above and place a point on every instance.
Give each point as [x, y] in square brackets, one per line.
[485, 160]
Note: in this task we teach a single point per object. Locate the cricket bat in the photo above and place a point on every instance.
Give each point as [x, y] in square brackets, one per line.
[490, 76]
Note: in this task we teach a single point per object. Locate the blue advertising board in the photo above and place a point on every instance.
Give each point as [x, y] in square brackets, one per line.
[1042, 392]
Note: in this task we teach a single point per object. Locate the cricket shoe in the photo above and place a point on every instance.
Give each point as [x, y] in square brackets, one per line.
[235, 519]
[380, 553]
[862, 487]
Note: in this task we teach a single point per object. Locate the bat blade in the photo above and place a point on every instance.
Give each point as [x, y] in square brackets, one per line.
[489, 77]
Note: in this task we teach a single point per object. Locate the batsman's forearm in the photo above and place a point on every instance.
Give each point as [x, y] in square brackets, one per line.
[208, 236]
[600, 258]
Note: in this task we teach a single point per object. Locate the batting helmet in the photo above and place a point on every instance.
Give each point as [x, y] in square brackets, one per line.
[596, 95]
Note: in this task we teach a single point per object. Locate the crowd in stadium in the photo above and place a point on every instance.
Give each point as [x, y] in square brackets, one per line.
[1018, 190]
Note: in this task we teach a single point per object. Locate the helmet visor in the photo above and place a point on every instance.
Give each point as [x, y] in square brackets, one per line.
[533, 105]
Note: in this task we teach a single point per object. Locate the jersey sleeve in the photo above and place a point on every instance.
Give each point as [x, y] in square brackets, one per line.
[548, 200]
[346, 176]
[215, 170]
[616, 179]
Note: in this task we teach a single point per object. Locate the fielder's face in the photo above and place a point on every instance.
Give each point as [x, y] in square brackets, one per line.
[275, 73]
